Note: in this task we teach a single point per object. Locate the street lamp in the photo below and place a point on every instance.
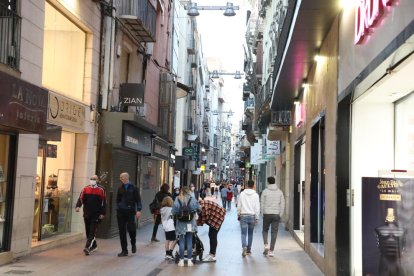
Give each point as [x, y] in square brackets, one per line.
[215, 74]
[193, 9]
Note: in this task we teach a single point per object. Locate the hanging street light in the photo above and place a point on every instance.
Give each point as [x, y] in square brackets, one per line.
[193, 9]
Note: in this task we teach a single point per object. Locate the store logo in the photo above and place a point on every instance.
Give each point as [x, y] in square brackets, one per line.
[368, 14]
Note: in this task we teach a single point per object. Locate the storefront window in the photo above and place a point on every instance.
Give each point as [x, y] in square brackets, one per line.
[404, 134]
[53, 193]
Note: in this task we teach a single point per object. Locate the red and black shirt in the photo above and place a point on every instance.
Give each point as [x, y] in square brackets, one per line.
[93, 199]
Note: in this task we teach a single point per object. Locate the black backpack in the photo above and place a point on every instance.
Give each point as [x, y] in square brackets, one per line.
[185, 214]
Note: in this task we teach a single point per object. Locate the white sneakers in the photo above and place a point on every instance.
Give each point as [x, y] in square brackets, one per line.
[209, 258]
[189, 263]
[266, 250]
[271, 254]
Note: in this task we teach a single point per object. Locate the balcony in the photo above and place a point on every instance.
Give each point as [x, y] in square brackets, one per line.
[10, 25]
[280, 118]
[140, 17]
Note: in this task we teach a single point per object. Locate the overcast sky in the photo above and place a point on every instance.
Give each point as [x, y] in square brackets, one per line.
[223, 37]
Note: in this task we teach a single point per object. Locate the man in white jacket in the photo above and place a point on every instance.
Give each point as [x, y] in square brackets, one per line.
[248, 212]
[272, 207]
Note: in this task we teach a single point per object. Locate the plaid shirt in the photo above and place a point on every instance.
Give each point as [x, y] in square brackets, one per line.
[212, 214]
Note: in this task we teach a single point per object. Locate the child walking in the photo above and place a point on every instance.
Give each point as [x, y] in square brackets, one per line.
[168, 225]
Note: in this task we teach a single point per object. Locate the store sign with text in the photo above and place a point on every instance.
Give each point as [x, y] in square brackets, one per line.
[22, 104]
[369, 14]
[65, 112]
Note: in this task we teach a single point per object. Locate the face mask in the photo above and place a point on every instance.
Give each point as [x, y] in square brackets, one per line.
[92, 182]
[192, 188]
[177, 192]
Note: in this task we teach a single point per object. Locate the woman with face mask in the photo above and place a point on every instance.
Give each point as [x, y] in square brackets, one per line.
[176, 193]
[193, 192]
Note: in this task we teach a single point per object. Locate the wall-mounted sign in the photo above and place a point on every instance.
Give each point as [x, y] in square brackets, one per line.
[160, 149]
[22, 104]
[132, 94]
[367, 15]
[65, 112]
[299, 114]
[188, 151]
[135, 138]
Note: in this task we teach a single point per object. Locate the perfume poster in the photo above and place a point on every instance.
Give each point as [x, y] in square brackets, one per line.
[387, 226]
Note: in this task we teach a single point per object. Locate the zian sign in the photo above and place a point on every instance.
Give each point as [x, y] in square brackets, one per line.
[132, 94]
[367, 15]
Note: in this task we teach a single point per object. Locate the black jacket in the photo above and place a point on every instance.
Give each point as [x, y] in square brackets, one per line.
[128, 199]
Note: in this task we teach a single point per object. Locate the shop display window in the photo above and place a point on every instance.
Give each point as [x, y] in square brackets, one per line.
[53, 192]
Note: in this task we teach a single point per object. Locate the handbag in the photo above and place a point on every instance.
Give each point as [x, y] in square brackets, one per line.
[154, 206]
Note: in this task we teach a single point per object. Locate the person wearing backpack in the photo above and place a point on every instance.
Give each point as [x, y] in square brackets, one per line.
[184, 208]
[159, 196]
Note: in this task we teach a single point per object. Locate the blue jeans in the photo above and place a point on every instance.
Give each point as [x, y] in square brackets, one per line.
[247, 223]
[224, 201]
[186, 239]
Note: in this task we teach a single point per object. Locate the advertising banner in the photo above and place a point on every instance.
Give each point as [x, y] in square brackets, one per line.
[387, 226]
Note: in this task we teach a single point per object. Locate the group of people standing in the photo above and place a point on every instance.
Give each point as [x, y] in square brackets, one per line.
[180, 214]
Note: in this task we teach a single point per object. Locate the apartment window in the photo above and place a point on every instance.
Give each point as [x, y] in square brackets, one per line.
[63, 54]
[10, 23]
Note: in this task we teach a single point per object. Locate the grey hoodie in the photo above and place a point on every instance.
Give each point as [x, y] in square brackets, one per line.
[272, 201]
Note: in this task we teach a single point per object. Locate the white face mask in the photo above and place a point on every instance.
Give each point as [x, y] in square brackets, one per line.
[92, 182]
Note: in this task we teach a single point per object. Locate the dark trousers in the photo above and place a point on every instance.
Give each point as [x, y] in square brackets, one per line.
[126, 222]
[90, 229]
[157, 222]
[212, 235]
[272, 222]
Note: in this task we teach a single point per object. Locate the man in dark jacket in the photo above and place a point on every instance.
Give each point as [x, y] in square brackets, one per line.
[93, 199]
[128, 208]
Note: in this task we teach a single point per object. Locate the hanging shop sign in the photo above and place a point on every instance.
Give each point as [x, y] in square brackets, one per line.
[22, 104]
[388, 227]
[367, 15]
[132, 94]
[65, 112]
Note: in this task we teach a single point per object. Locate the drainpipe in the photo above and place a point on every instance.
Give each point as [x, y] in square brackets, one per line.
[107, 78]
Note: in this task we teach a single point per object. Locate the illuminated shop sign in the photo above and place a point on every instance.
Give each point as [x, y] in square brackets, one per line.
[367, 15]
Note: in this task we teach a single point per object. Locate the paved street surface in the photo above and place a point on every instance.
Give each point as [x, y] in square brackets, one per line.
[289, 258]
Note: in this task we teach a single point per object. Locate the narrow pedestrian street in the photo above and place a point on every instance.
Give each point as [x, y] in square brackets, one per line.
[289, 257]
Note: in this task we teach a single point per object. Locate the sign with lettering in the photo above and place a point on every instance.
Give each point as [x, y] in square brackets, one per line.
[135, 138]
[188, 151]
[22, 104]
[132, 94]
[160, 149]
[65, 112]
[367, 15]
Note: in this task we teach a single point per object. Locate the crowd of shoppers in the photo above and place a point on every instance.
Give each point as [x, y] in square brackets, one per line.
[181, 212]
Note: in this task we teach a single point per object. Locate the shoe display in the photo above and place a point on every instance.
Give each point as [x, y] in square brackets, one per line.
[181, 262]
[190, 263]
[271, 254]
[244, 253]
[123, 254]
[133, 248]
[86, 251]
[209, 258]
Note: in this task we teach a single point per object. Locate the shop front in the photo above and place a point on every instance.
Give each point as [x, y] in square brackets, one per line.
[55, 167]
[376, 92]
[23, 111]
[126, 146]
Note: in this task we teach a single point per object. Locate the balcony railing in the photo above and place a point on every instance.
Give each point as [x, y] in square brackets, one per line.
[280, 118]
[10, 25]
[139, 16]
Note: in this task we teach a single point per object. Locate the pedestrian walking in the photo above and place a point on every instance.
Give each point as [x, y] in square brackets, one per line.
[248, 211]
[272, 206]
[223, 193]
[184, 208]
[213, 215]
[159, 196]
[169, 227]
[235, 194]
[229, 197]
[194, 193]
[93, 199]
[128, 208]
